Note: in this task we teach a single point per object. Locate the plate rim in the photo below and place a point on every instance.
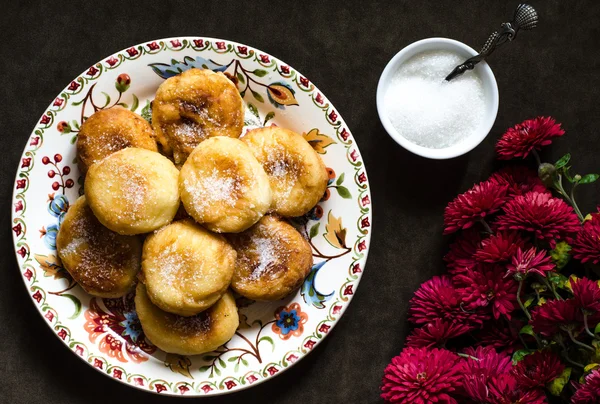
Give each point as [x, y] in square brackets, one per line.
[219, 392]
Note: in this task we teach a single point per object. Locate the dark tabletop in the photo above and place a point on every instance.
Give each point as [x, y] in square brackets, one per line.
[342, 47]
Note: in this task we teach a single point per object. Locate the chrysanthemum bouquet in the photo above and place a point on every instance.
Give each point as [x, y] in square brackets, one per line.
[517, 317]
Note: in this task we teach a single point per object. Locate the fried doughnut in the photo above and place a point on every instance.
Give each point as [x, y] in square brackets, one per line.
[201, 333]
[186, 268]
[133, 191]
[272, 260]
[103, 262]
[193, 106]
[223, 186]
[110, 130]
[297, 174]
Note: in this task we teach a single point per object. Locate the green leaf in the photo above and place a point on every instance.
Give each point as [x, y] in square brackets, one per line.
[340, 179]
[527, 330]
[561, 254]
[269, 116]
[241, 78]
[528, 302]
[76, 103]
[260, 72]
[520, 354]
[204, 368]
[589, 178]
[557, 385]
[558, 279]
[253, 109]
[135, 103]
[77, 304]
[217, 371]
[245, 362]
[123, 105]
[147, 112]
[107, 99]
[257, 96]
[343, 191]
[236, 367]
[268, 339]
[591, 366]
[314, 230]
[563, 161]
[597, 329]
[232, 359]
[222, 363]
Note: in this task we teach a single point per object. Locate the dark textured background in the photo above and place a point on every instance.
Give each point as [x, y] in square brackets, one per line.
[342, 47]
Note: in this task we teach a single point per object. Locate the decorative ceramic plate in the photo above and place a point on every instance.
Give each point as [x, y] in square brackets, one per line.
[272, 336]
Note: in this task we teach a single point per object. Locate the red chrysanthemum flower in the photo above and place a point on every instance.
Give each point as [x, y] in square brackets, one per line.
[548, 218]
[529, 135]
[480, 201]
[504, 390]
[538, 369]
[586, 294]
[460, 257]
[586, 246]
[487, 286]
[520, 180]
[556, 315]
[530, 261]
[500, 247]
[501, 335]
[422, 376]
[436, 333]
[588, 392]
[438, 298]
[479, 368]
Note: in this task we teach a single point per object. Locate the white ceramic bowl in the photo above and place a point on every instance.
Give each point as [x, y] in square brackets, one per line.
[490, 89]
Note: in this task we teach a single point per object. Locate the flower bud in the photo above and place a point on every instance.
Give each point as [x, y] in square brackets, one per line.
[577, 177]
[547, 173]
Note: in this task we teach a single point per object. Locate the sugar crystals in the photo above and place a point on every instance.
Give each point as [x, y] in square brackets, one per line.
[430, 111]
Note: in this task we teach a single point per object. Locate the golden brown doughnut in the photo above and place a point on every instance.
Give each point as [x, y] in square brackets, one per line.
[194, 335]
[193, 106]
[297, 174]
[272, 260]
[186, 268]
[110, 130]
[223, 186]
[103, 262]
[133, 191]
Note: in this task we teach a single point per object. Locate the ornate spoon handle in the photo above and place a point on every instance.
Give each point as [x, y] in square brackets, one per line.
[525, 18]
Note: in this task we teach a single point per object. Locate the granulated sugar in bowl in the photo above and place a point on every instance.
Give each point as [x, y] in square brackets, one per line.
[428, 115]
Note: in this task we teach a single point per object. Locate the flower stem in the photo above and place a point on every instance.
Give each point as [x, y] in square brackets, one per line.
[551, 287]
[519, 300]
[581, 344]
[560, 189]
[463, 355]
[537, 157]
[566, 355]
[587, 328]
[486, 226]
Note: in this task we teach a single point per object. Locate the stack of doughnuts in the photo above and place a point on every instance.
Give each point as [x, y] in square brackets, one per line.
[187, 211]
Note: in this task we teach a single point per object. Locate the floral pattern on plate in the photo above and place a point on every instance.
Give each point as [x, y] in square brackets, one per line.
[272, 336]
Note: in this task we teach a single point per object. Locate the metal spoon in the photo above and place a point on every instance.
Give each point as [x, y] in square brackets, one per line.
[525, 18]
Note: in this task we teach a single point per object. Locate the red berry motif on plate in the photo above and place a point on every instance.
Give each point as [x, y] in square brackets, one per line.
[45, 160]
[66, 170]
[63, 127]
[69, 183]
[51, 173]
[55, 186]
[123, 82]
[57, 158]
